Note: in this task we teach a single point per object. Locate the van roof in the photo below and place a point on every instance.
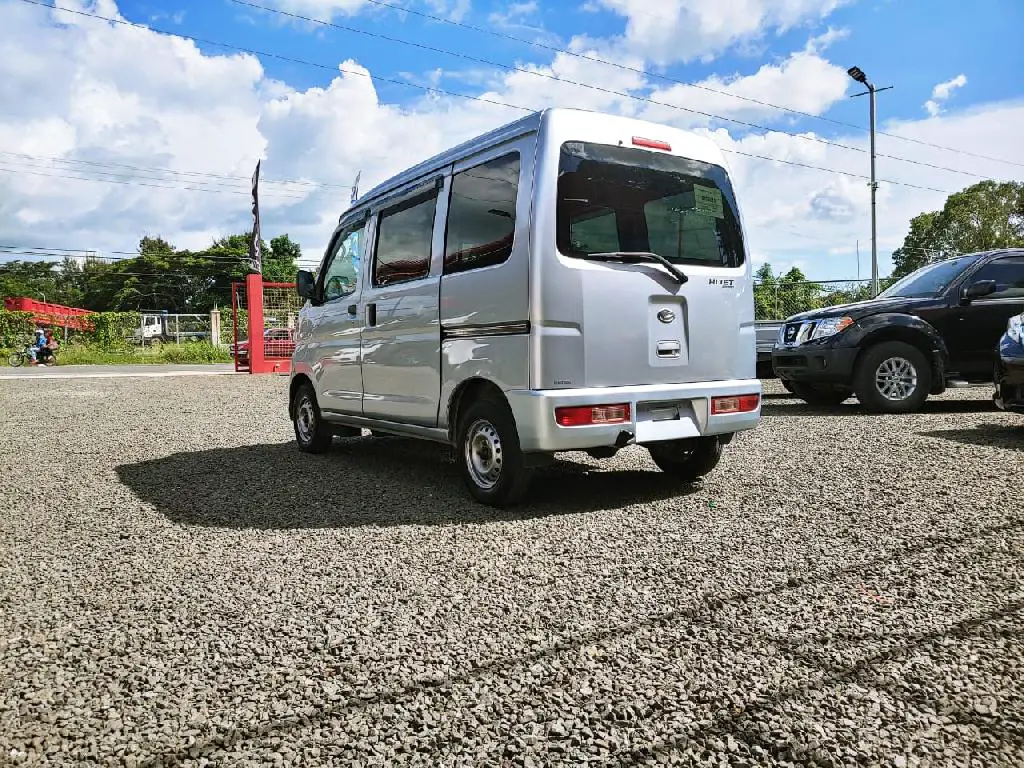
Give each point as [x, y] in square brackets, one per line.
[484, 141]
[476, 144]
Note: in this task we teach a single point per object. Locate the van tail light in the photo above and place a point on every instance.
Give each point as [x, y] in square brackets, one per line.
[651, 143]
[734, 404]
[586, 415]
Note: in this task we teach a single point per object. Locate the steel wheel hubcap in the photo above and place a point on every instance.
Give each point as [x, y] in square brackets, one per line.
[484, 454]
[896, 379]
[306, 420]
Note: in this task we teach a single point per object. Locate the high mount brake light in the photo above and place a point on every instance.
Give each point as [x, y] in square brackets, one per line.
[651, 143]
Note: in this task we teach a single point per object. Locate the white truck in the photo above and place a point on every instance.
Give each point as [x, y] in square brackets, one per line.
[165, 327]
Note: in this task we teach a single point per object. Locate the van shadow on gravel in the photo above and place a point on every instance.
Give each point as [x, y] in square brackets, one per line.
[381, 481]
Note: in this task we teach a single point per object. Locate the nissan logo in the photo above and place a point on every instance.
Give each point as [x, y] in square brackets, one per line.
[666, 315]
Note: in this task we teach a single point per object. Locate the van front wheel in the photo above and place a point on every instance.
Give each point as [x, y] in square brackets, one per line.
[312, 433]
[687, 460]
[490, 459]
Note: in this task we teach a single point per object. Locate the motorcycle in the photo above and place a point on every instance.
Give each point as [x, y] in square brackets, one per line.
[24, 357]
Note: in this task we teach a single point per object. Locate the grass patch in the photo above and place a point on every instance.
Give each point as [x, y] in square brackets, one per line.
[193, 352]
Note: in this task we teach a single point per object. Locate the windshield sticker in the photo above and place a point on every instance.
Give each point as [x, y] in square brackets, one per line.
[708, 201]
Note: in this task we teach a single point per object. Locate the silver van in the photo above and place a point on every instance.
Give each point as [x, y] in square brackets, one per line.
[571, 281]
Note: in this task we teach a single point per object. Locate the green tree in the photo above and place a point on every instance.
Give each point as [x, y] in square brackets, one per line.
[56, 282]
[987, 215]
[766, 287]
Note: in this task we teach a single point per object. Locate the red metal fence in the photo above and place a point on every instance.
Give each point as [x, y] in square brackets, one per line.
[266, 311]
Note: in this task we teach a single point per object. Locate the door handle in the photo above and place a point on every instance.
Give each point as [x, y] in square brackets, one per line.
[353, 309]
[371, 314]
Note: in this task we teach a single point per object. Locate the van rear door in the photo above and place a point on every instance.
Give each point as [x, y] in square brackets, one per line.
[659, 249]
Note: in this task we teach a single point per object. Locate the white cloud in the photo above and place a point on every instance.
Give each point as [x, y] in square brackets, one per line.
[683, 30]
[942, 92]
[804, 82]
[93, 92]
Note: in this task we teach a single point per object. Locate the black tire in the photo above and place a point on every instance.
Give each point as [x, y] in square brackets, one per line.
[686, 461]
[488, 453]
[16, 360]
[884, 367]
[312, 433]
[819, 395]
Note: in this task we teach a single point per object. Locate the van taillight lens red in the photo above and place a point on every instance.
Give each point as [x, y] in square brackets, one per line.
[586, 415]
[734, 404]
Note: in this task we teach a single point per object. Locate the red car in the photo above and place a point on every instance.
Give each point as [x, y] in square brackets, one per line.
[277, 343]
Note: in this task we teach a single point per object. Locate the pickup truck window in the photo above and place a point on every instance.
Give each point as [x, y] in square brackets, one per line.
[1008, 274]
[930, 280]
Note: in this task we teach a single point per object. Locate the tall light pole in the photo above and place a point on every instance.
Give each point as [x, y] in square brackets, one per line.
[858, 74]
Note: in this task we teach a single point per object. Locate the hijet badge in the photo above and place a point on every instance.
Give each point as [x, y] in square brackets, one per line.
[728, 282]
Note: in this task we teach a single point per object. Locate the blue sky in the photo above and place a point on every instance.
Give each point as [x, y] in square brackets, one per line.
[101, 93]
[911, 45]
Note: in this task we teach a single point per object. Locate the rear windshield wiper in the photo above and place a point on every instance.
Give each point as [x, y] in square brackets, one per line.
[634, 256]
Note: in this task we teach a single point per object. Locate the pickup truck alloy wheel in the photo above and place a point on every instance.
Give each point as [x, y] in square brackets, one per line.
[491, 461]
[896, 378]
[892, 377]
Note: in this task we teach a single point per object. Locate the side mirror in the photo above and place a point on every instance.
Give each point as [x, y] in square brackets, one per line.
[978, 290]
[305, 285]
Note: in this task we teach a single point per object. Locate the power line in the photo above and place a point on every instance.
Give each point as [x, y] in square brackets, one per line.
[647, 73]
[145, 169]
[601, 89]
[459, 95]
[120, 256]
[135, 183]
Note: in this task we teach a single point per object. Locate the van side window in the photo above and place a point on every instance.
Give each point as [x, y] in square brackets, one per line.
[1008, 274]
[342, 272]
[482, 215]
[404, 236]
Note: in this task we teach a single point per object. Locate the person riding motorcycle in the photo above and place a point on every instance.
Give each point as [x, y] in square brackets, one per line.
[45, 353]
[37, 345]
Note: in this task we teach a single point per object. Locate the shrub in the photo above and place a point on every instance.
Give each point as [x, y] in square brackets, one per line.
[193, 352]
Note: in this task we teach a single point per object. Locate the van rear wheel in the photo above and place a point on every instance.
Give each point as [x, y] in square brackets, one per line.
[687, 460]
[489, 456]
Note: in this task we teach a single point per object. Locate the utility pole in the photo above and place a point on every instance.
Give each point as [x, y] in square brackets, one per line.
[857, 74]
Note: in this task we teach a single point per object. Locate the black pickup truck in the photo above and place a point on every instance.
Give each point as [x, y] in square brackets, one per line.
[937, 327]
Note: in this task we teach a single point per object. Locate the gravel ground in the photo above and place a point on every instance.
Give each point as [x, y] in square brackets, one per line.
[179, 586]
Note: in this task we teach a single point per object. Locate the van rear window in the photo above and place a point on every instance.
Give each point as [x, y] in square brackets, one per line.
[624, 199]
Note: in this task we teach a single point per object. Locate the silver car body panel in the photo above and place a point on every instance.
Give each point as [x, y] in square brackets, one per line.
[547, 330]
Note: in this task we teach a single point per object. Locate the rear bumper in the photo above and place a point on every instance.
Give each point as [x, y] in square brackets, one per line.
[657, 413]
[815, 364]
[1009, 378]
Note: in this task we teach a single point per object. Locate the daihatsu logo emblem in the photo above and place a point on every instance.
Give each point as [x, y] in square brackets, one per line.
[666, 316]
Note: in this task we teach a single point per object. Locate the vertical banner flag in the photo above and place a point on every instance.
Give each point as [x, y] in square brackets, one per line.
[255, 257]
[355, 190]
